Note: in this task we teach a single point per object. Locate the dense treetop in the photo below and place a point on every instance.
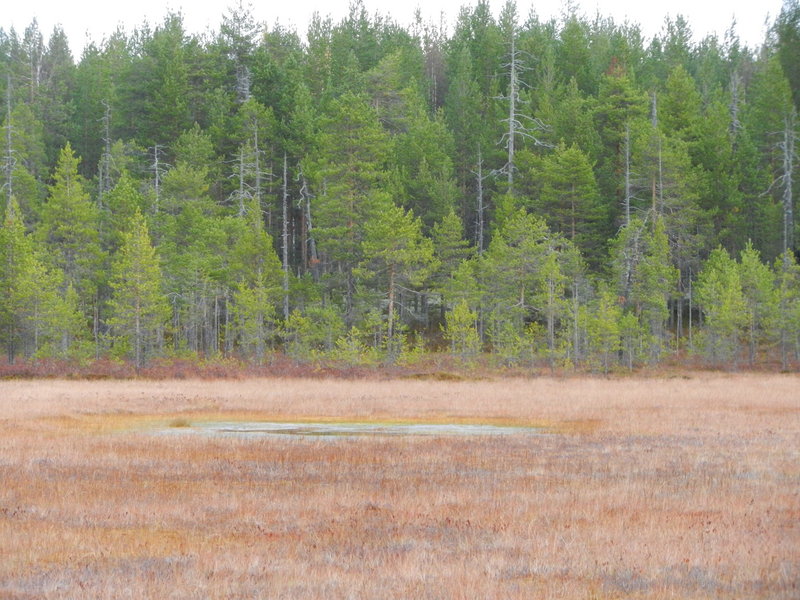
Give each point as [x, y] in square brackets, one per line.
[554, 192]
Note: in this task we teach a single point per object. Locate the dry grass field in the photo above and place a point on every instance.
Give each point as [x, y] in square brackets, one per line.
[685, 487]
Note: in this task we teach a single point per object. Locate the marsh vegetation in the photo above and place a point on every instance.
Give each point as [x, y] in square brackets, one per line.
[646, 488]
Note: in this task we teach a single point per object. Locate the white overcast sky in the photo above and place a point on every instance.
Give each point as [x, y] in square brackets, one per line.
[81, 18]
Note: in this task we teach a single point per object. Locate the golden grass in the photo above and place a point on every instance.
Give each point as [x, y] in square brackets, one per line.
[645, 488]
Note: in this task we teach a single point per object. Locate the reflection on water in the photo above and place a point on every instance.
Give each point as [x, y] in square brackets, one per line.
[350, 429]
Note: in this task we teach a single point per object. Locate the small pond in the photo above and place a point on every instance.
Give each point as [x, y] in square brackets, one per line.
[258, 428]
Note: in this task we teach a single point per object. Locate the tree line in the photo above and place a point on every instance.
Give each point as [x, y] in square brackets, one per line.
[555, 192]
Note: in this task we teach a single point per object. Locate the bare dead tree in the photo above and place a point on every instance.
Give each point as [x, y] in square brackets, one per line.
[658, 173]
[8, 160]
[285, 236]
[736, 124]
[239, 31]
[518, 124]
[787, 146]
[786, 179]
[480, 209]
[310, 256]
[104, 175]
[158, 167]
[244, 192]
[628, 194]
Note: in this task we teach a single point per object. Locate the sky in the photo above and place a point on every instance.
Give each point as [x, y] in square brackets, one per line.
[82, 19]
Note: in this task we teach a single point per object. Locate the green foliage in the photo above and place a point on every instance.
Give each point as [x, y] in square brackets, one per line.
[658, 154]
[719, 293]
[123, 202]
[760, 298]
[603, 330]
[396, 252]
[29, 159]
[646, 278]
[138, 305]
[69, 229]
[164, 71]
[632, 338]
[36, 317]
[569, 200]
[257, 275]
[509, 346]
[349, 169]
[255, 317]
[450, 248]
[461, 331]
[787, 325]
[787, 27]
[425, 169]
[679, 107]
[351, 350]
[413, 350]
[313, 333]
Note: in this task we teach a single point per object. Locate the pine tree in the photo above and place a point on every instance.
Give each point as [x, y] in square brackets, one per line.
[719, 294]
[351, 180]
[450, 249]
[122, 203]
[257, 279]
[24, 158]
[787, 27]
[238, 34]
[525, 272]
[69, 229]
[603, 329]
[569, 201]
[37, 318]
[139, 308]
[654, 283]
[462, 113]
[161, 102]
[461, 331]
[16, 259]
[396, 252]
[787, 320]
[760, 299]
[425, 170]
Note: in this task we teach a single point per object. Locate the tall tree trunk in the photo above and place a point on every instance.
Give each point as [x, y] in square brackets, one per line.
[312, 244]
[257, 163]
[576, 330]
[736, 124]
[9, 158]
[285, 236]
[96, 325]
[789, 137]
[156, 166]
[480, 207]
[242, 208]
[691, 308]
[104, 183]
[512, 113]
[551, 323]
[390, 326]
[627, 200]
[138, 336]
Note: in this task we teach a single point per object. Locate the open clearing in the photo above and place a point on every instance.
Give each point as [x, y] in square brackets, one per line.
[639, 488]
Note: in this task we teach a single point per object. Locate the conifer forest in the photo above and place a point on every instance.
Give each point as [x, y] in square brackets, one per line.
[548, 194]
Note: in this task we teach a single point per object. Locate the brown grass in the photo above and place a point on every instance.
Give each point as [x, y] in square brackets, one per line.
[645, 488]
